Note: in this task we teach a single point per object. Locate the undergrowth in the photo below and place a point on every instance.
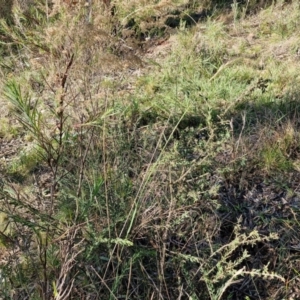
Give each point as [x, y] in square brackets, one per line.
[144, 158]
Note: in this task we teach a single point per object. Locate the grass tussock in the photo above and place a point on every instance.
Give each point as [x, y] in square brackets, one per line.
[150, 150]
